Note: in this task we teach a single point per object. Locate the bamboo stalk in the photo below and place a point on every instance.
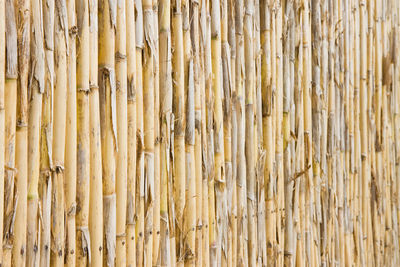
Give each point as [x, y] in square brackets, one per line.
[60, 94]
[148, 128]
[131, 173]
[139, 135]
[36, 89]
[122, 134]
[71, 159]
[83, 136]
[10, 98]
[179, 127]
[21, 139]
[165, 132]
[107, 92]
[46, 158]
[96, 170]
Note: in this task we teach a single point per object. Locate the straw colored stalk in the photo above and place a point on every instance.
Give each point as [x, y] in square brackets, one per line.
[227, 131]
[179, 127]
[59, 126]
[10, 98]
[35, 110]
[249, 143]
[157, 151]
[131, 98]
[165, 132]
[190, 183]
[148, 109]
[212, 261]
[122, 127]
[288, 40]
[107, 92]
[96, 170]
[197, 76]
[232, 202]
[204, 84]
[316, 120]
[83, 138]
[46, 158]
[2, 114]
[240, 116]
[21, 139]
[139, 135]
[71, 159]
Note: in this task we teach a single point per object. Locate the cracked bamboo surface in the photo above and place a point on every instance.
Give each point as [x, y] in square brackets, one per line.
[200, 132]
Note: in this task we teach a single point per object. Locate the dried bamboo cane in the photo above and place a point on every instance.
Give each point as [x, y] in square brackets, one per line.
[148, 109]
[157, 151]
[82, 142]
[122, 138]
[46, 139]
[2, 115]
[10, 98]
[139, 135]
[205, 252]
[179, 127]
[131, 91]
[165, 132]
[61, 47]
[190, 174]
[197, 76]
[71, 159]
[36, 87]
[232, 190]
[21, 139]
[249, 133]
[96, 170]
[107, 92]
[240, 116]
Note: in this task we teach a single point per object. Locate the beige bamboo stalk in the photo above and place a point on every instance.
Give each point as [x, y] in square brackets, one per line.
[46, 157]
[190, 183]
[363, 121]
[71, 142]
[131, 172]
[157, 196]
[249, 143]
[270, 78]
[21, 139]
[190, 171]
[227, 131]
[96, 170]
[59, 126]
[205, 85]
[139, 135]
[82, 137]
[240, 116]
[35, 110]
[197, 76]
[107, 92]
[316, 122]
[165, 133]
[122, 123]
[148, 128]
[286, 129]
[219, 171]
[179, 127]
[2, 114]
[10, 98]
[232, 202]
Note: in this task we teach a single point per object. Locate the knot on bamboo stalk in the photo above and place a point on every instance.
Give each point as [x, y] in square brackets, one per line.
[58, 168]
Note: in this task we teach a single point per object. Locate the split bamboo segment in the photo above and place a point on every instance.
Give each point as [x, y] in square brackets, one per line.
[200, 132]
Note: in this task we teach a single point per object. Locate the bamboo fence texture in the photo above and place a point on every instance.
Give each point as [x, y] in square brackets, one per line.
[200, 133]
